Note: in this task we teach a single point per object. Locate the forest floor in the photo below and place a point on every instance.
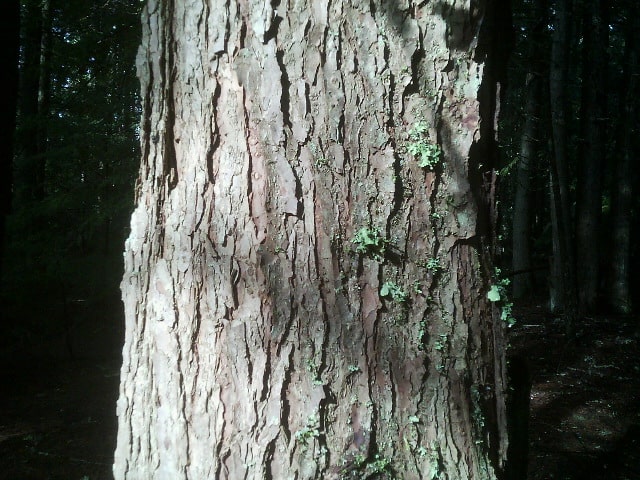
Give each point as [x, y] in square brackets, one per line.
[57, 416]
[585, 395]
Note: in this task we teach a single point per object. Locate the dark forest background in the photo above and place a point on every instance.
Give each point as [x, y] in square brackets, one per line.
[568, 210]
[75, 160]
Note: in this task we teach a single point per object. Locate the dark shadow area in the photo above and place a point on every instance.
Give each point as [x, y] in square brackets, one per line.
[57, 413]
[585, 397]
[73, 166]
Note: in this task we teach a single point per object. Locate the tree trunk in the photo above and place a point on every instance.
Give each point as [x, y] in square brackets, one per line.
[34, 101]
[592, 154]
[521, 257]
[10, 25]
[302, 298]
[622, 205]
[529, 148]
[562, 270]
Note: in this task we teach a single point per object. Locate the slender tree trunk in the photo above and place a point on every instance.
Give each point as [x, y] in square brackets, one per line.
[620, 292]
[556, 271]
[302, 298]
[34, 101]
[592, 153]
[562, 271]
[529, 149]
[10, 25]
[44, 89]
[521, 259]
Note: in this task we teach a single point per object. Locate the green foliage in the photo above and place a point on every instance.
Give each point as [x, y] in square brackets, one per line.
[441, 343]
[378, 465]
[433, 265]
[370, 243]
[370, 467]
[498, 294]
[310, 431]
[427, 153]
[394, 291]
[494, 294]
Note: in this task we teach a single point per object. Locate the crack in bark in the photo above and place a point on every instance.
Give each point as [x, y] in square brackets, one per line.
[285, 102]
[170, 169]
[398, 193]
[268, 455]
[195, 334]
[272, 31]
[285, 408]
[146, 137]
[183, 405]
[266, 377]
[247, 354]
[214, 134]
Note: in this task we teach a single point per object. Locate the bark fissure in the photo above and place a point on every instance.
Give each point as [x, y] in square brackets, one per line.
[286, 85]
[167, 62]
[214, 136]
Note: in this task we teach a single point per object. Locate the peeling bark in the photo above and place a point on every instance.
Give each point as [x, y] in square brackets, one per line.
[258, 344]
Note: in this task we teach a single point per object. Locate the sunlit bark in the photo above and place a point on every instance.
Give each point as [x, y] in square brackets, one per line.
[261, 340]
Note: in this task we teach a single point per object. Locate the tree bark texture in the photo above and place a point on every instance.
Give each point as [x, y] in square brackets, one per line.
[302, 299]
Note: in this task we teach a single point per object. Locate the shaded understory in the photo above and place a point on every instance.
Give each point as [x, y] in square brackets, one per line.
[57, 415]
[585, 396]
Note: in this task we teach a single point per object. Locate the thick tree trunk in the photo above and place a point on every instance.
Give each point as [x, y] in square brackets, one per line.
[302, 298]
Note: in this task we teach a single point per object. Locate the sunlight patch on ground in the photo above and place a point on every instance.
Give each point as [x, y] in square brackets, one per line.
[542, 394]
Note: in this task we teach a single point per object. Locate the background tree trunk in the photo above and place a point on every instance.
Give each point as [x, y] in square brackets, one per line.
[592, 153]
[622, 205]
[529, 150]
[562, 294]
[10, 24]
[302, 298]
[34, 101]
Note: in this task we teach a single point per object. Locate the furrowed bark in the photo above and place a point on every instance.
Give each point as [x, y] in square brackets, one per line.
[259, 342]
